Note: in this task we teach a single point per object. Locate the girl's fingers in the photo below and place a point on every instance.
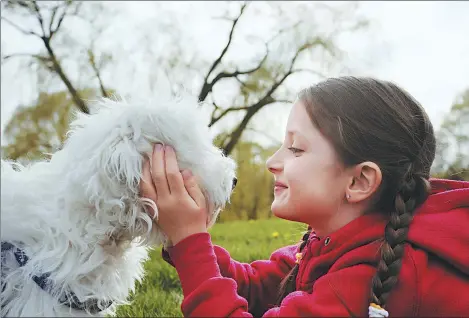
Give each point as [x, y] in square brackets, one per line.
[174, 177]
[158, 171]
[147, 189]
[193, 188]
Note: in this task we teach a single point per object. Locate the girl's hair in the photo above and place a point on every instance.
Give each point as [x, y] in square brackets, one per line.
[288, 283]
[367, 119]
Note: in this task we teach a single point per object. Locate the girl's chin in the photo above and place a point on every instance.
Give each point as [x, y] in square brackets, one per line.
[282, 212]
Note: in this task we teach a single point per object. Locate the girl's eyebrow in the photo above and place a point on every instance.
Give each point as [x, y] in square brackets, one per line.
[295, 133]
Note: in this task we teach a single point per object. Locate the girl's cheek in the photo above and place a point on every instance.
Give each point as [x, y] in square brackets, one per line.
[292, 172]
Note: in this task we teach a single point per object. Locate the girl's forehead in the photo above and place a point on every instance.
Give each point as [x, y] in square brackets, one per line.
[299, 122]
[298, 115]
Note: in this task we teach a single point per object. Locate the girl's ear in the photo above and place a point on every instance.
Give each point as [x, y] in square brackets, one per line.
[365, 179]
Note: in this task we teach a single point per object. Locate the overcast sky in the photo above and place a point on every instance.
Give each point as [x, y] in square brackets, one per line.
[422, 46]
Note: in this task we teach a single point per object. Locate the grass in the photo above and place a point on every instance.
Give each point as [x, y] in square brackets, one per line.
[159, 294]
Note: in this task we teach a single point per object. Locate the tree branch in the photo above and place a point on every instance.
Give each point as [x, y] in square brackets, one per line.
[39, 18]
[215, 109]
[274, 87]
[281, 31]
[23, 4]
[96, 71]
[240, 81]
[267, 99]
[61, 19]
[206, 85]
[33, 9]
[321, 75]
[9, 56]
[285, 101]
[236, 73]
[237, 132]
[214, 119]
[54, 12]
[18, 28]
[58, 69]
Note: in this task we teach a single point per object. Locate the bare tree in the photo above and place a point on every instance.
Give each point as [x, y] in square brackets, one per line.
[49, 18]
[267, 69]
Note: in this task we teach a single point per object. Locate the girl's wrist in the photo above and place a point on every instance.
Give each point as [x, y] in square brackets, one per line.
[186, 232]
[194, 249]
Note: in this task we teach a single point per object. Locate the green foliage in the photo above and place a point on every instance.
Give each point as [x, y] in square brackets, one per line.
[160, 294]
[253, 195]
[259, 82]
[452, 158]
[40, 128]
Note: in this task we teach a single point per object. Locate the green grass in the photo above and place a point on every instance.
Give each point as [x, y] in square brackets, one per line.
[159, 294]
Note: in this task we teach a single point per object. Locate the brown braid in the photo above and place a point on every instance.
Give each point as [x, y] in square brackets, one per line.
[288, 283]
[413, 191]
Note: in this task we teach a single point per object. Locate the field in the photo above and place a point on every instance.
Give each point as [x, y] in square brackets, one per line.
[159, 295]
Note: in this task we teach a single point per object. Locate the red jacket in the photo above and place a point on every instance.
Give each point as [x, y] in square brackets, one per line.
[334, 279]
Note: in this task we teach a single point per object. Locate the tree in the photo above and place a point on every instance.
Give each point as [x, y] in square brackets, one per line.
[49, 17]
[452, 157]
[294, 45]
[263, 83]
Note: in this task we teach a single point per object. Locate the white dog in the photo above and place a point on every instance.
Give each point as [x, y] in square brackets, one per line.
[74, 229]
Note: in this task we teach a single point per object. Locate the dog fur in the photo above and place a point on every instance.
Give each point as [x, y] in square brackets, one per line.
[79, 215]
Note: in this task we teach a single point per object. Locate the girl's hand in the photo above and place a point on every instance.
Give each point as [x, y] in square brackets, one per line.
[182, 209]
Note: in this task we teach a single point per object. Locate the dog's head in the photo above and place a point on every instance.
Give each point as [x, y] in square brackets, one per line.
[103, 157]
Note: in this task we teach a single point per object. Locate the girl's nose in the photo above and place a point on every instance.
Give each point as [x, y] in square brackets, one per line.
[274, 164]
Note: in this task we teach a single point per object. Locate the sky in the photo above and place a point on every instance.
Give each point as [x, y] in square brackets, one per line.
[422, 46]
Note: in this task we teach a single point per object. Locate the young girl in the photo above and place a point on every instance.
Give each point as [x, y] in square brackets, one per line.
[383, 239]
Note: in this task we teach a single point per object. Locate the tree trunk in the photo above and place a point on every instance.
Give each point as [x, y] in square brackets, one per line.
[58, 69]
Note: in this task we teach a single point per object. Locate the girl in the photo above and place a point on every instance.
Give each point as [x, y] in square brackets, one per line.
[382, 238]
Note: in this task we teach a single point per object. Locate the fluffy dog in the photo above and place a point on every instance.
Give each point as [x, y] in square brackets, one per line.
[74, 229]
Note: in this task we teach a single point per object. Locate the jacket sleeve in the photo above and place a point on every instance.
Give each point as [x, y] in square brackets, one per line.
[257, 282]
[207, 293]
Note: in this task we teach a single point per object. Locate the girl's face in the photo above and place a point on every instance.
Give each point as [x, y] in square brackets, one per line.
[310, 179]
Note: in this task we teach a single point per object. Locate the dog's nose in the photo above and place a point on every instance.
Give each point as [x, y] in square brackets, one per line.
[235, 181]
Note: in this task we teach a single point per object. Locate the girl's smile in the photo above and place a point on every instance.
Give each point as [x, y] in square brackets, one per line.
[279, 187]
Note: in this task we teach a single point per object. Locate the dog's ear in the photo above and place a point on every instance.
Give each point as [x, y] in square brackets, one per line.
[115, 183]
[103, 148]
[121, 162]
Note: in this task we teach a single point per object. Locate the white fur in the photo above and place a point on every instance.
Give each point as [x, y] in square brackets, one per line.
[79, 215]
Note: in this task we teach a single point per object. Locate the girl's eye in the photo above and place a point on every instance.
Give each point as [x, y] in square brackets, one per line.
[295, 150]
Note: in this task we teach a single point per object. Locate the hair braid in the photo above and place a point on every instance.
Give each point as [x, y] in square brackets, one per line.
[412, 192]
[288, 283]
